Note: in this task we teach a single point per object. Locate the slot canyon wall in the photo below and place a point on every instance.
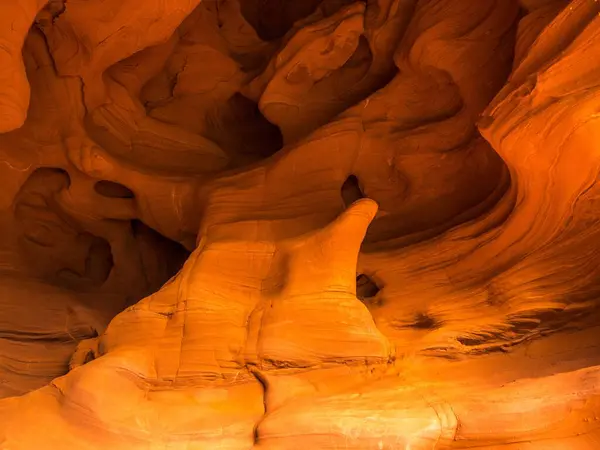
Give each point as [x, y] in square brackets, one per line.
[310, 224]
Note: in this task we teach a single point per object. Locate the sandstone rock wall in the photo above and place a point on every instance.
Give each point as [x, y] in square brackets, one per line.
[335, 224]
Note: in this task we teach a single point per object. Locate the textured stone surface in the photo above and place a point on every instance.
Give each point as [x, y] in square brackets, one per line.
[237, 224]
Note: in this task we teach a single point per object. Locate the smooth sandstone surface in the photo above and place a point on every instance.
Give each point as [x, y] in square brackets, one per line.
[283, 225]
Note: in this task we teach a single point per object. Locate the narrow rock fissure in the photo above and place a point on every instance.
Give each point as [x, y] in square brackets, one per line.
[351, 191]
[264, 384]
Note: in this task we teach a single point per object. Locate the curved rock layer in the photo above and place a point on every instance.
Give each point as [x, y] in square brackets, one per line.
[275, 224]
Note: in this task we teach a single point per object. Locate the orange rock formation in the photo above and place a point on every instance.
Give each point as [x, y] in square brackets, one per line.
[287, 225]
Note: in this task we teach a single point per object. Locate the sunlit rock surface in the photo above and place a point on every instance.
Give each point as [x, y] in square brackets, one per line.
[283, 225]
